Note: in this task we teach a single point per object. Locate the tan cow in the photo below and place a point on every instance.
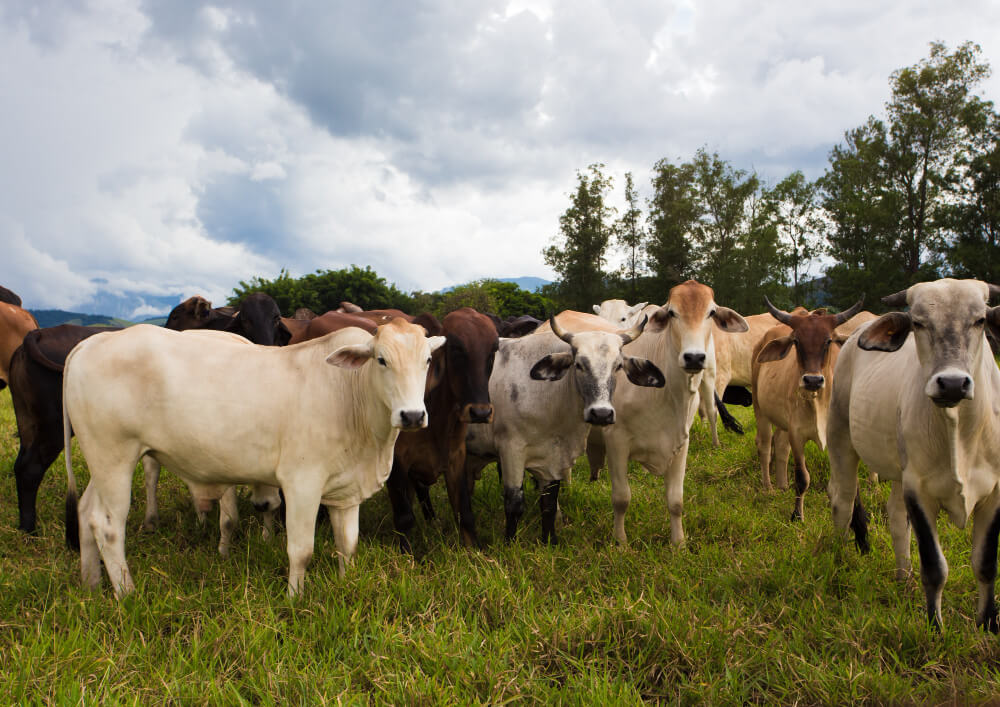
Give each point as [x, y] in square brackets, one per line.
[319, 420]
[14, 324]
[653, 423]
[915, 397]
[792, 393]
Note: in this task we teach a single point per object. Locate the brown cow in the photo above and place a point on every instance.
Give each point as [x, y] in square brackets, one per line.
[792, 394]
[327, 323]
[457, 395]
[258, 319]
[381, 316]
[9, 297]
[14, 324]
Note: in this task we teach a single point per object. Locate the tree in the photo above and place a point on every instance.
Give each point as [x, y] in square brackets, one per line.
[673, 211]
[577, 253]
[326, 289]
[631, 237]
[799, 223]
[975, 219]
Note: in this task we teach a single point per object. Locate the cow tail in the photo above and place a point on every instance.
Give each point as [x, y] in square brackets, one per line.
[728, 421]
[72, 516]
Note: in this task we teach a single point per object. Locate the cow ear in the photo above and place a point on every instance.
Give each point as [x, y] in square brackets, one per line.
[282, 336]
[643, 372]
[729, 320]
[552, 367]
[354, 356]
[887, 333]
[435, 374]
[775, 350]
[435, 342]
[597, 309]
[993, 320]
[659, 320]
[636, 308]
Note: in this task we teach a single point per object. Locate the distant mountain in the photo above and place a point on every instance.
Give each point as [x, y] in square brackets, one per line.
[54, 317]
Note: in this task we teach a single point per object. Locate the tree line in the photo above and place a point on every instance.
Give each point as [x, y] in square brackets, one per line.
[911, 196]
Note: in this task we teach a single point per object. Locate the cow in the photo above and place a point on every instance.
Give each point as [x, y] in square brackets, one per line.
[318, 420]
[36, 391]
[329, 323]
[304, 314]
[620, 312]
[381, 316]
[792, 393]
[515, 327]
[258, 319]
[915, 396]
[14, 324]
[9, 297]
[547, 389]
[457, 396]
[653, 423]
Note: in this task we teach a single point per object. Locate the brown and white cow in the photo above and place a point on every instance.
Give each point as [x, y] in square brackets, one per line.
[791, 394]
[653, 423]
[318, 420]
[457, 396]
[916, 397]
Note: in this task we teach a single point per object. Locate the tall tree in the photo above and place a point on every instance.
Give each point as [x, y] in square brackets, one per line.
[578, 252]
[673, 212]
[975, 219]
[631, 237]
[799, 224]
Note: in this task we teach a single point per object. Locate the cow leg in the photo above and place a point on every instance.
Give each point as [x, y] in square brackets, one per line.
[460, 497]
[549, 503]
[899, 529]
[512, 465]
[706, 405]
[90, 556]
[229, 516]
[33, 460]
[301, 504]
[781, 446]
[843, 488]
[933, 565]
[151, 477]
[423, 492]
[107, 513]
[801, 479]
[621, 492]
[266, 500]
[763, 439]
[345, 533]
[673, 482]
[986, 528]
[402, 510]
[595, 457]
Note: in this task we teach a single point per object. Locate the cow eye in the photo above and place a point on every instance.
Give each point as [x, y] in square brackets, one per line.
[381, 361]
[579, 366]
[981, 321]
[916, 324]
[428, 360]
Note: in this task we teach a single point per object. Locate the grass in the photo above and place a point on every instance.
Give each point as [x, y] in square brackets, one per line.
[753, 609]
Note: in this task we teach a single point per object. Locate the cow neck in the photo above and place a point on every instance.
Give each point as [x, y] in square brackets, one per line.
[376, 416]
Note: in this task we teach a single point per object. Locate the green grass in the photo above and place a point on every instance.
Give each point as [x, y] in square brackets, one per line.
[753, 609]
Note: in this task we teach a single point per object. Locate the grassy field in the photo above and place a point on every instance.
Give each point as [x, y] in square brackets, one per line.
[753, 609]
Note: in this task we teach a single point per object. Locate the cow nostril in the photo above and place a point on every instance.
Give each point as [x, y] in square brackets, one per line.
[694, 360]
[812, 382]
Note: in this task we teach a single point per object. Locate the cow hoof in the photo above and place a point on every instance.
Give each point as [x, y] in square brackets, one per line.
[150, 524]
[796, 516]
[990, 623]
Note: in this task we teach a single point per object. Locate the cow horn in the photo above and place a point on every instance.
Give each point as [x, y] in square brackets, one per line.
[633, 333]
[559, 331]
[896, 300]
[845, 315]
[783, 317]
[994, 290]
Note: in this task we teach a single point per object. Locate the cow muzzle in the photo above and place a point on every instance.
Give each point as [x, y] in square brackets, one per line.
[477, 413]
[601, 416]
[411, 419]
[693, 361]
[813, 383]
[950, 387]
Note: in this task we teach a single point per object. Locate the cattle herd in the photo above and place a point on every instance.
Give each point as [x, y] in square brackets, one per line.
[324, 410]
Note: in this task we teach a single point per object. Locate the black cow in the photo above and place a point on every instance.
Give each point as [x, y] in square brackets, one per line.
[36, 390]
[258, 319]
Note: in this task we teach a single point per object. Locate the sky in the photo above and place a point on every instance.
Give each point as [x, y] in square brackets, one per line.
[152, 150]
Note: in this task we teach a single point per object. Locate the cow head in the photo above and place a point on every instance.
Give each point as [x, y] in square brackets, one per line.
[689, 317]
[471, 343]
[192, 313]
[948, 319]
[812, 337]
[593, 359]
[399, 353]
[259, 320]
[618, 311]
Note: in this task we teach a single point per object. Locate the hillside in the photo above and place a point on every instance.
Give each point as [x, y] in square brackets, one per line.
[53, 317]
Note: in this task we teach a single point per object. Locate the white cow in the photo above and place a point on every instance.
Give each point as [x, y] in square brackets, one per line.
[916, 396]
[217, 412]
[653, 424]
[547, 389]
[620, 312]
